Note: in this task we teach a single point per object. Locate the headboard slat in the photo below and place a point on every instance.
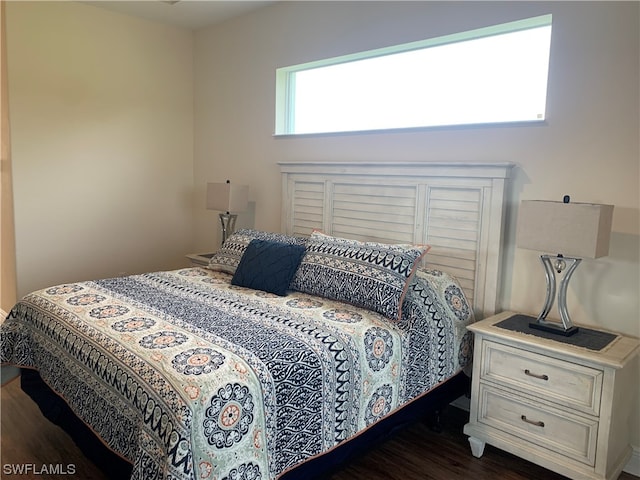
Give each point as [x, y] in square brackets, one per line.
[457, 208]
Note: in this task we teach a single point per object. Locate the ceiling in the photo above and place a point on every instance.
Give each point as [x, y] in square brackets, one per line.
[191, 14]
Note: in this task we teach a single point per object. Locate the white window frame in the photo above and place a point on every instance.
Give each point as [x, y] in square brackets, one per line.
[285, 76]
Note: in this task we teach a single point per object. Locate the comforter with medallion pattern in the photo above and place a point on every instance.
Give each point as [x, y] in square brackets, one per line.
[187, 376]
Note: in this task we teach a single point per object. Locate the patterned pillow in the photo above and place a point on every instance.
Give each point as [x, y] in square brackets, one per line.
[228, 257]
[268, 266]
[367, 274]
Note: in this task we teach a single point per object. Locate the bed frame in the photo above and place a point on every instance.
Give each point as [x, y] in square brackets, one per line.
[457, 208]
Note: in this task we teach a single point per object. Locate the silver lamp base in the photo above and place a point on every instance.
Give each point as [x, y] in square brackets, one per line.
[554, 266]
[228, 221]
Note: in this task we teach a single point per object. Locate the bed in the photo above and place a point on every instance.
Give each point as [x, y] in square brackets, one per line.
[291, 349]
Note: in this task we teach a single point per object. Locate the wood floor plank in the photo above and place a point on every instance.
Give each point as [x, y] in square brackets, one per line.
[30, 441]
[416, 453]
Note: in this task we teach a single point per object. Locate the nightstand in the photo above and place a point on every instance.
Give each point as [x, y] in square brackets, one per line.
[200, 259]
[564, 407]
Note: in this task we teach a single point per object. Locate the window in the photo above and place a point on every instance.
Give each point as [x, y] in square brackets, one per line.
[491, 75]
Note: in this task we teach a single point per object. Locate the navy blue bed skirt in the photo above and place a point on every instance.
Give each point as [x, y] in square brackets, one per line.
[57, 411]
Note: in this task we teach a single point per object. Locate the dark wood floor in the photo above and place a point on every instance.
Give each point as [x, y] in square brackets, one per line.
[26, 437]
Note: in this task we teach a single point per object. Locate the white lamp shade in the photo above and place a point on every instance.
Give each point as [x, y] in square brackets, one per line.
[572, 229]
[227, 197]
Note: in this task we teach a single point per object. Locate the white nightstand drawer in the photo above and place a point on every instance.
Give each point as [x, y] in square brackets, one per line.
[565, 383]
[562, 434]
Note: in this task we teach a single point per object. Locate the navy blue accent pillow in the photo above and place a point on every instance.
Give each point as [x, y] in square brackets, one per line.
[268, 266]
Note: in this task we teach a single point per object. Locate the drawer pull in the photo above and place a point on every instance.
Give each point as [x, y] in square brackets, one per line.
[535, 375]
[537, 424]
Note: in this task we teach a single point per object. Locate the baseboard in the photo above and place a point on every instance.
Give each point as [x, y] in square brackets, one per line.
[633, 465]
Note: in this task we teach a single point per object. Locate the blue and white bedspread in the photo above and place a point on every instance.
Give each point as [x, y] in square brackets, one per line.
[187, 376]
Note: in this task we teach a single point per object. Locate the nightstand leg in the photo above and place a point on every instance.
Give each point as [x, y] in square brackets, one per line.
[477, 447]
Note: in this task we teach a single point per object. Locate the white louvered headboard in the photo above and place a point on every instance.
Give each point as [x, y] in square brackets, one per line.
[457, 208]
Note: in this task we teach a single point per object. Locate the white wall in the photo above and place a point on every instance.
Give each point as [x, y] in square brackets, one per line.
[588, 147]
[101, 109]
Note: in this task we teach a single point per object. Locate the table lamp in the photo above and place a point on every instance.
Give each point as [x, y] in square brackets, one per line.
[573, 231]
[229, 199]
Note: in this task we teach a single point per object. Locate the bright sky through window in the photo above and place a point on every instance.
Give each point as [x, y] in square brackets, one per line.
[493, 78]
